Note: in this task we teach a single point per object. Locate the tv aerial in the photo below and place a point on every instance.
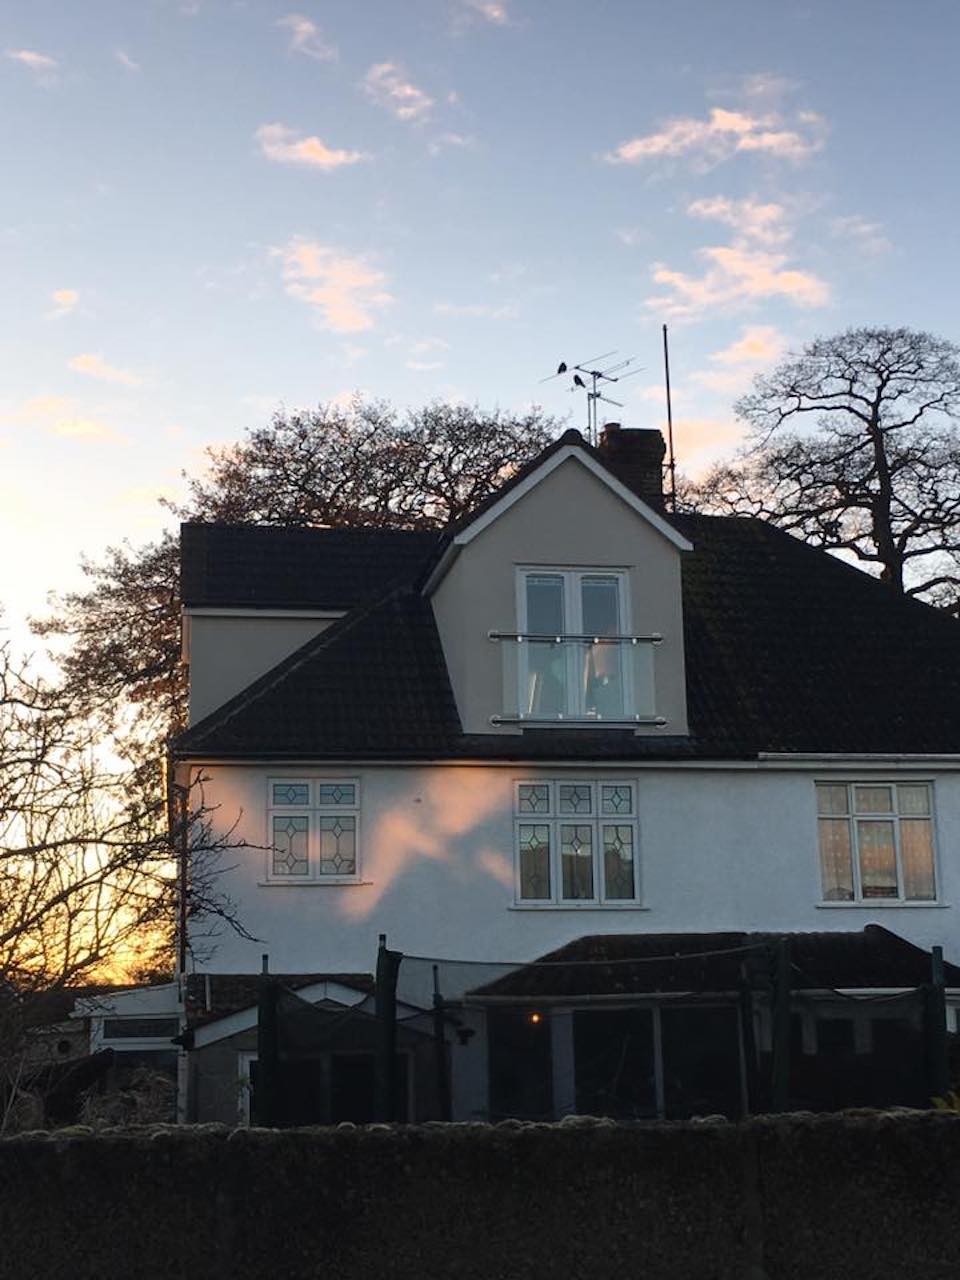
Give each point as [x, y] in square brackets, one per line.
[599, 374]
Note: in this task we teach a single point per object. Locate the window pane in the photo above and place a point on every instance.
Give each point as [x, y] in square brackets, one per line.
[618, 873]
[878, 859]
[913, 799]
[576, 856]
[338, 845]
[873, 800]
[546, 680]
[533, 797]
[575, 797]
[291, 793]
[601, 665]
[534, 861]
[600, 600]
[332, 793]
[616, 799]
[831, 798]
[836, 866]
[290, 845]
[916, 856]
[545, 604]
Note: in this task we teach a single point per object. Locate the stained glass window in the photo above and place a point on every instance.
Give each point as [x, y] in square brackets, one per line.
[338, 845]
[297, 793]
[576, 858]
[331, 793]
[576, 797]
[290, 845]
[534, 861]
[616, 798]
[534, 797]
[618, 861]
[571, 854]
[320, 841]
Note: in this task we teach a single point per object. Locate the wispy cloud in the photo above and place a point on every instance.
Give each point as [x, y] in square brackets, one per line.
[346, 291]
[126, 61]
[388, 85]
[41, 65]
[749, 218]
[424, 366]
[306, 38]
[758, 346]
[493, 11]
[868, 237]
[735, 275]
[708, 142]
[476, 310]
[444, 141]
[288, 146]
[62, 416]
[64, 302]
[94, 365]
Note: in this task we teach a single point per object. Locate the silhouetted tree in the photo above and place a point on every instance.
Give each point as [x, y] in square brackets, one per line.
[86, 874]
[853, 448]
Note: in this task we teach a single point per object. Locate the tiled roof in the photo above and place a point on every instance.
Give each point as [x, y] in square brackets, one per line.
[787, 650]
[216, 995]
[634, 963]
[252, 566]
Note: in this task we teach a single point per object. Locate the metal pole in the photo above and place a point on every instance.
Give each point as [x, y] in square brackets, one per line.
[671, 457]
[267, 1093]
[938, 1069]
[780, 1092]
[385, 1009]
[440, 1045]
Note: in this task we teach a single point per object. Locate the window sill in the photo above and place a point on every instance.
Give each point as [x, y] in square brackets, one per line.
[310, 884]
[577, 906]
[885, 904]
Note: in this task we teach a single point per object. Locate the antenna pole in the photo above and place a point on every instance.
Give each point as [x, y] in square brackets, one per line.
[671, 457]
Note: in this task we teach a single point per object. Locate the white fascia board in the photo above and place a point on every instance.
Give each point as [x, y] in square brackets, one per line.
[295, 611]
[245, 1019]
[139, 1002]
[519, 491]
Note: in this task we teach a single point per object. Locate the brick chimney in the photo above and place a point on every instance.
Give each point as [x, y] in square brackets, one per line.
[635, 456]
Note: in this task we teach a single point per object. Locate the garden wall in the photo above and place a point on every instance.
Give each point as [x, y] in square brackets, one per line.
[856, 1195]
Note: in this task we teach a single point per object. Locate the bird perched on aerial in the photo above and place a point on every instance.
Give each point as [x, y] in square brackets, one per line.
[578, 381]
[562, 367]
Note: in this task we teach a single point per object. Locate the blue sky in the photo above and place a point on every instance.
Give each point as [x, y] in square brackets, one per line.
[212, 208]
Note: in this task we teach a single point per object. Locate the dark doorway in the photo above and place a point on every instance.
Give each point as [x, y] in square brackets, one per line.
[521, 1080]
[614, 1063]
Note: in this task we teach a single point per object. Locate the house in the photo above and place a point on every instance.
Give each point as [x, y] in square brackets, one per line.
[651, 805]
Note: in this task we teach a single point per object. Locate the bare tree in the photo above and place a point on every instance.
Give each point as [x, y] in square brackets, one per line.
[88, 878]
[854, 448]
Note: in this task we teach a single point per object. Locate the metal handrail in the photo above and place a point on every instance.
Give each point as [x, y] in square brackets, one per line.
[535, 638]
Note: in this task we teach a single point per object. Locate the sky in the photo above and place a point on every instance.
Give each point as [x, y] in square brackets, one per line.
[213, 209]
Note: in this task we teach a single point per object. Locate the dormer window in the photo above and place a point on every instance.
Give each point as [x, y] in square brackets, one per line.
[573, 658]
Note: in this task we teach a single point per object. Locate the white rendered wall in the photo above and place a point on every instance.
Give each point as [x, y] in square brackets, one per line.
[719, 849]
[571, 519]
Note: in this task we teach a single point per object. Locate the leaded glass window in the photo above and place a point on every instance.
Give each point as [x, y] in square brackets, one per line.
[312, 827]
[290, 845]
[582, 846]
[534, 861]
[876, 841]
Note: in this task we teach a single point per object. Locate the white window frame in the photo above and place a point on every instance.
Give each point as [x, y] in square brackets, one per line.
[312, 811]
[554, 819]
[573, 625]
[852, 816]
